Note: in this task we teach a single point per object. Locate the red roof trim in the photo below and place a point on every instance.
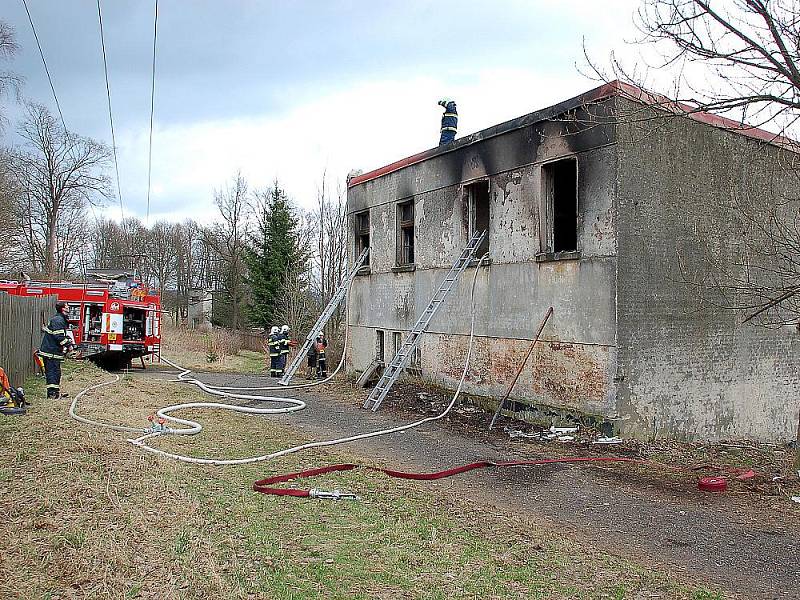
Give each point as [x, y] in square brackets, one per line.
[608, 90]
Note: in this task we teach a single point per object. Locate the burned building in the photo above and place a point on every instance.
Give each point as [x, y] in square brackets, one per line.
[607, 220]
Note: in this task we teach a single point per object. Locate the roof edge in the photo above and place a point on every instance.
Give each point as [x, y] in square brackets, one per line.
[614, 88]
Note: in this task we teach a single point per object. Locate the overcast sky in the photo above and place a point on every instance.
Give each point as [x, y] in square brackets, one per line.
[290, 89]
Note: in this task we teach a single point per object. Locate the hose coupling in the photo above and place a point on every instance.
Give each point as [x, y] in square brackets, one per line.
[333, 495]
[158, 427]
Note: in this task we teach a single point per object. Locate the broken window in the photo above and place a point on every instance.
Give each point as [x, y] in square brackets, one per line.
[380, 349]
[397, 342]
[478, 213]
[560, 193]
[405, 233]
[362, 233]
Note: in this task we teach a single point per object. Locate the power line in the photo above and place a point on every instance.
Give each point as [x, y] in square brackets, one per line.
[110, 114]
[52, 88]
[44, 62]
[152, 110]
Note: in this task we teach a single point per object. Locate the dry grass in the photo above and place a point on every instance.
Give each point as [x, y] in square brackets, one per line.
[85, 515]
[191, 349]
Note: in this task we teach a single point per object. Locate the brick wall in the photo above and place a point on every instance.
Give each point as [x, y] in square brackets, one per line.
[687, 367]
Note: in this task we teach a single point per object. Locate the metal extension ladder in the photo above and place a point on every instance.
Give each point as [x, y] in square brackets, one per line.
[337, 298]
[395, 368]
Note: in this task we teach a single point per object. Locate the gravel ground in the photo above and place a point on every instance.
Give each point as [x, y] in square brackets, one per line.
[749, 548]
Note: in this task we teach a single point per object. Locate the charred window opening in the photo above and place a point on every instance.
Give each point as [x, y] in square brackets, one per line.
[380, 347]
[478, 213]
[397, 342]
[560, 190]
[362, 233]
[405, 233]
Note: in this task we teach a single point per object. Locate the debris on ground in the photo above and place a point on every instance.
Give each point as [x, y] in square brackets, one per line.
[608, 440]
[756, 468]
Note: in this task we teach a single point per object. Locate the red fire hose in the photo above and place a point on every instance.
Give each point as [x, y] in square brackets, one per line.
[265, 486]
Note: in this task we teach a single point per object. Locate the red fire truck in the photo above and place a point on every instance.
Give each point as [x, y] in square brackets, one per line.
[112, 321]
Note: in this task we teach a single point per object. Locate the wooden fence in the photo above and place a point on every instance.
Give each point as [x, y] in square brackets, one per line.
[21, 321]
[251, 340]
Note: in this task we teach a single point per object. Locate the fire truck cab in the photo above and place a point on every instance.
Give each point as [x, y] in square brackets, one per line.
[113, 318]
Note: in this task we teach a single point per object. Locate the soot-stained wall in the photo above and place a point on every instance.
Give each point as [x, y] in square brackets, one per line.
[576, 364]
[632, 338]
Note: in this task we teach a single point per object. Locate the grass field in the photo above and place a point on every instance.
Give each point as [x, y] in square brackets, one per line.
[88, 516]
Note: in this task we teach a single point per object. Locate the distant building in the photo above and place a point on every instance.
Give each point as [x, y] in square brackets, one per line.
[201, 308]
[590, 214]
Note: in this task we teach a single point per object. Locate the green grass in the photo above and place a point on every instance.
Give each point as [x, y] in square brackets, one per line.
[253, 362]
[96, 518]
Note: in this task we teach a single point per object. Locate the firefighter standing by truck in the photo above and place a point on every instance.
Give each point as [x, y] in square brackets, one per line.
[55, 345]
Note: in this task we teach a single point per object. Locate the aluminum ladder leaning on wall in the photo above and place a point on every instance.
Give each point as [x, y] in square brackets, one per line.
[395, 368]
[323, 319]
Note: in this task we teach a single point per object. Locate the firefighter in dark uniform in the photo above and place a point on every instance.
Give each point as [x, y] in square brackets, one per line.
[274, 352]
[55, 344]
[449, 121]
[284, 344]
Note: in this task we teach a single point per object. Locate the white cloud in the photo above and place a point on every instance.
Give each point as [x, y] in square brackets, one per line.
[363, 126]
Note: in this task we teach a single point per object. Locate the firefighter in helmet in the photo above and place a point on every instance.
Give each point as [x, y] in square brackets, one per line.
[54, 347]
[284, 345]
[449, 121]
[274, 352]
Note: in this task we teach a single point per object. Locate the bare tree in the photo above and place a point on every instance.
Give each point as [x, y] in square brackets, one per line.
[56, 174]
[228, 239]
[189, 266]
[162, 242]
[10, 82]
[331, 257]
[738, 57]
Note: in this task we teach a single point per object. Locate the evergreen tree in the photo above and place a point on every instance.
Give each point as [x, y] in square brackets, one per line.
[273, 254]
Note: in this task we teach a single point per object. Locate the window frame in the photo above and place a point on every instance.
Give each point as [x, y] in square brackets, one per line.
[406, 253]
[547, 238]
[359, 232]
[470, 207]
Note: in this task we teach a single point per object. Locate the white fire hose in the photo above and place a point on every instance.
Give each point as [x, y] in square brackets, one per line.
[192, 427]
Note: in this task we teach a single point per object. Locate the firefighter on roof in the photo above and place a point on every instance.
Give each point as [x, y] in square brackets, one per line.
[274, 352]
[55, 344]
[449, 121]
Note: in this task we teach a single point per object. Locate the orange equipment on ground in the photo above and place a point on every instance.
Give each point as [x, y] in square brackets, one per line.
[12, 400]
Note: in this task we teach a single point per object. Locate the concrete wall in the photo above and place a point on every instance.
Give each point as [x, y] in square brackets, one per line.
[576, 365]
[688, 368]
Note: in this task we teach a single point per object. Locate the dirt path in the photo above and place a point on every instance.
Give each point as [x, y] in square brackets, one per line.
[708, 538]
